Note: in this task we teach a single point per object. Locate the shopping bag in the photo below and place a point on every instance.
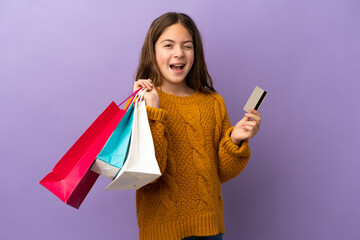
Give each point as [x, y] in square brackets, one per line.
[71, 179]
[112, 156]
[140, 167]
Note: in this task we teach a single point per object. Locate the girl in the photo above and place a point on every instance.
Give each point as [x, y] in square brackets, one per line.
[196, 147]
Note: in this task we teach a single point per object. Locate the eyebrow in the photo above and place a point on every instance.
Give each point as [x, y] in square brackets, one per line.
[169, 40]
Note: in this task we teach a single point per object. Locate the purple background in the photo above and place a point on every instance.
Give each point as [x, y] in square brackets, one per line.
[62, 62]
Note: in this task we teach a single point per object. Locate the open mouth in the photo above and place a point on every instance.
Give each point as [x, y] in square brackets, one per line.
[177, 67]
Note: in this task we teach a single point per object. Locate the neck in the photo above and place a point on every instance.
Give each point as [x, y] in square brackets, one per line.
[181, 89]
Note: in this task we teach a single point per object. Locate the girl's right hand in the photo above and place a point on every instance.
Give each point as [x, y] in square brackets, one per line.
[151, 96]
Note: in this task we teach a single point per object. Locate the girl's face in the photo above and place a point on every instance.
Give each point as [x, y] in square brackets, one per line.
[174, 52]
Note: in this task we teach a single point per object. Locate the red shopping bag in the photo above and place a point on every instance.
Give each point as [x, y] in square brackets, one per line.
[71, 179]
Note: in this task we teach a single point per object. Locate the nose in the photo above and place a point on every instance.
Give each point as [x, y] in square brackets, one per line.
[178, 52]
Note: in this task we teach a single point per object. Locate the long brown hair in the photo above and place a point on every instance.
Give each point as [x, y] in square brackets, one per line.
[198, 76]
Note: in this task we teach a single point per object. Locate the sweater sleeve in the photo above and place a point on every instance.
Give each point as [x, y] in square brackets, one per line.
[157, 119]
[232, 158]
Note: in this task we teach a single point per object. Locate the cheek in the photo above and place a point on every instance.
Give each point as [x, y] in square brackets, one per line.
[191, 58]
[161, 58]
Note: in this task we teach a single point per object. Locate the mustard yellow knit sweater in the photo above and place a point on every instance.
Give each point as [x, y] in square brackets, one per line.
[195, 154]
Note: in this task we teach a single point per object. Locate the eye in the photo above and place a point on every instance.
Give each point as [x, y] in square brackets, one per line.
[167, 45]
[188, 47]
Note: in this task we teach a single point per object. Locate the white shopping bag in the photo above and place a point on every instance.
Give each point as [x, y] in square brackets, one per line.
[140, 167]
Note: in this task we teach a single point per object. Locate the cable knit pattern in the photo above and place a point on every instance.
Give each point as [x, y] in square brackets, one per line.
[196, 138]
[195, 154]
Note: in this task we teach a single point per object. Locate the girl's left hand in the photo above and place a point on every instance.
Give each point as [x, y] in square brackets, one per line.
[247, 127]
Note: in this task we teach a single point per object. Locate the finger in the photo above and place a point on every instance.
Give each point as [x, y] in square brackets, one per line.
[248, 128]
[139, 84]
[142, 83]
[257, 121]
[250, 123]
[145, 80]
[254, 111]
[149, 85]
[253, 116]
[145, 85]
[136, 86]
[254, 129]
[139, 81]
[244, 119]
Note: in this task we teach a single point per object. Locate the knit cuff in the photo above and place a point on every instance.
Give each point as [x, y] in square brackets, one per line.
[156, 114]
[232, 148]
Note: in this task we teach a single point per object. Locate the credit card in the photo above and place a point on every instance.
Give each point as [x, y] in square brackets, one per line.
[255, 100]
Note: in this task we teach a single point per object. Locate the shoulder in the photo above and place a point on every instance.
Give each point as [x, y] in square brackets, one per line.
[218, 103]
[217, 96]
[218, 99]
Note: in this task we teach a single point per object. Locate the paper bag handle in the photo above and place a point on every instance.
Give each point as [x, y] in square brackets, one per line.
[141, 95]
[132, 95]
